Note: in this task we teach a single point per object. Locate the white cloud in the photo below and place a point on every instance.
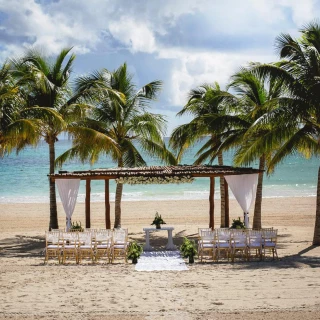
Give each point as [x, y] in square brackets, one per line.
[204, 41]
[136, 36]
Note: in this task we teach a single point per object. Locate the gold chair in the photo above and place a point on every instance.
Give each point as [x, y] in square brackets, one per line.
[238, 244]
[70, 241]
[269, 242]
[223, 242]
[120, 243]
[255, 243]
[53, 247]
[103, 244]
[85, 246]
[206, 244]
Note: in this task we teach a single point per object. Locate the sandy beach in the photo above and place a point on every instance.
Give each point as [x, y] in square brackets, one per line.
[283, 289]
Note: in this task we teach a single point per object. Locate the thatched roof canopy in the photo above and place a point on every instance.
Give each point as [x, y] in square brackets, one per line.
[155, 171]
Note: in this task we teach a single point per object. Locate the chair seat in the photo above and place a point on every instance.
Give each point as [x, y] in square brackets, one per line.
[53, 246]
[239, 245]
[71, 246]
[86, 246]
[222, 245]
[103, 246]
[269, 244]
[207, 245]
[119, 246]
[254, 244]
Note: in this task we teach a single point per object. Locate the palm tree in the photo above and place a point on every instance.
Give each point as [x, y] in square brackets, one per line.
[121, 128]
[9, 107]
[256, 96]
[204, 103]
[298, 117]
[50, 107]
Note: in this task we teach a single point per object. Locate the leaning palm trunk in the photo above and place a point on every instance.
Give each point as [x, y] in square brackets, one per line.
[53, 224]
[117, 220]
[258, 202]
[316, 236]
[117, 202]
[222, 194]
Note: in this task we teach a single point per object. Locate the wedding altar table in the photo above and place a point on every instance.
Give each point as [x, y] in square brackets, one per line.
[169, 246]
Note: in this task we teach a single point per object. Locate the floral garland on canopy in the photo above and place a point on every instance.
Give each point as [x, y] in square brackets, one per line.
[155, 180]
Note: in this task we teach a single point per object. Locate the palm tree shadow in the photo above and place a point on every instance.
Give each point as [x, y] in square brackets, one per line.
[22, 247]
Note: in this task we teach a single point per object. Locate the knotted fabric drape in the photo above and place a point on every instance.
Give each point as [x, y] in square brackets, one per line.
[244, 188]
[68, 191]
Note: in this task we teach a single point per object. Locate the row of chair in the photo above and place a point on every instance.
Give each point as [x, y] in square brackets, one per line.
[92, 244]
[230, 242]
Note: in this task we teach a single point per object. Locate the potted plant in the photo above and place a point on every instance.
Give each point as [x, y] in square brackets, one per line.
[188, 249]
[237, 224]
[76, 227]
[134, 251]
[158, 221]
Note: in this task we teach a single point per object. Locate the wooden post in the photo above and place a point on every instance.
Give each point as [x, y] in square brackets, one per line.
[211, 204]
[107, 204]
[87, 207]
[226, 194]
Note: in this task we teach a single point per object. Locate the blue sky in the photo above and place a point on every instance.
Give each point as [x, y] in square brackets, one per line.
[184, 43]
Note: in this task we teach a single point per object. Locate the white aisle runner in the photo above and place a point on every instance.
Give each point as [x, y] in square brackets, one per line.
[161, 261]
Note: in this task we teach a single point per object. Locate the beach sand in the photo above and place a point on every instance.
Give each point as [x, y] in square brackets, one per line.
[285, 289]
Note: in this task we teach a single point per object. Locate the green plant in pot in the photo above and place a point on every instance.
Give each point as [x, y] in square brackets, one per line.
[134, 251]
[158, 221]
[76, 226]
[237, 224]
[188, 249]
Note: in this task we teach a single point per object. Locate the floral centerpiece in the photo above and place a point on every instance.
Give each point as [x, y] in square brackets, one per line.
[158, 221]
[76, 226]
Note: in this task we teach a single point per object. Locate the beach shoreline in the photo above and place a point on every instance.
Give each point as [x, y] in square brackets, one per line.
[287, 288]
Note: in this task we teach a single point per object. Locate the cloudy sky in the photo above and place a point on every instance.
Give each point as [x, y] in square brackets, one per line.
[184, 43]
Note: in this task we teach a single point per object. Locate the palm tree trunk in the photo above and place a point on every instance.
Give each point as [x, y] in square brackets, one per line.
[117, 220]
[117, 204]
[53, 224]
[222, 194]
[316, 236]
[258, 202]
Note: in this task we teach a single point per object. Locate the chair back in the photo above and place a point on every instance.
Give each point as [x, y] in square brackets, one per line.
[52, 237]
[85, 238]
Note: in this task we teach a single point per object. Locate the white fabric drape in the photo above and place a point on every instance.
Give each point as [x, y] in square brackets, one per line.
[244, 188]
[68, 191]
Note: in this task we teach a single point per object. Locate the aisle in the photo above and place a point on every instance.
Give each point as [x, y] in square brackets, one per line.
[161, 261]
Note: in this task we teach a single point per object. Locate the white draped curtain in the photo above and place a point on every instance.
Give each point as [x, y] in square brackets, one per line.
[244, 188]
[68, 191]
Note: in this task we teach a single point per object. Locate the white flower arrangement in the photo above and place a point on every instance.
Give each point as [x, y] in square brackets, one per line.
[155, 180]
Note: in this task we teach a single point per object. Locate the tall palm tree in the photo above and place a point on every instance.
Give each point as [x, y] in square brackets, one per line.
[204, 102]
[298, 117]
[256, 96]
[50, 106]
[126, 125]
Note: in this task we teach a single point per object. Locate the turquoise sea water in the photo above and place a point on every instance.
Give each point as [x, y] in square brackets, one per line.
[23, 178]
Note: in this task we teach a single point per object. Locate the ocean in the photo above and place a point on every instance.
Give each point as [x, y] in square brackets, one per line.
[23, 178]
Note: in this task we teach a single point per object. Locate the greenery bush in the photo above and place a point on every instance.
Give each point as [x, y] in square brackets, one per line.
[188, 249]
[134, 251]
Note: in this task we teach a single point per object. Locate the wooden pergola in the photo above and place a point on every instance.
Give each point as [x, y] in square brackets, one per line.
[180, 171]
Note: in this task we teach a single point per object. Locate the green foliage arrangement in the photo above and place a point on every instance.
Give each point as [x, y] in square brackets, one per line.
[237, 224]
[134, 251]
[188, 249]
[76, 227]
[158, 221]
